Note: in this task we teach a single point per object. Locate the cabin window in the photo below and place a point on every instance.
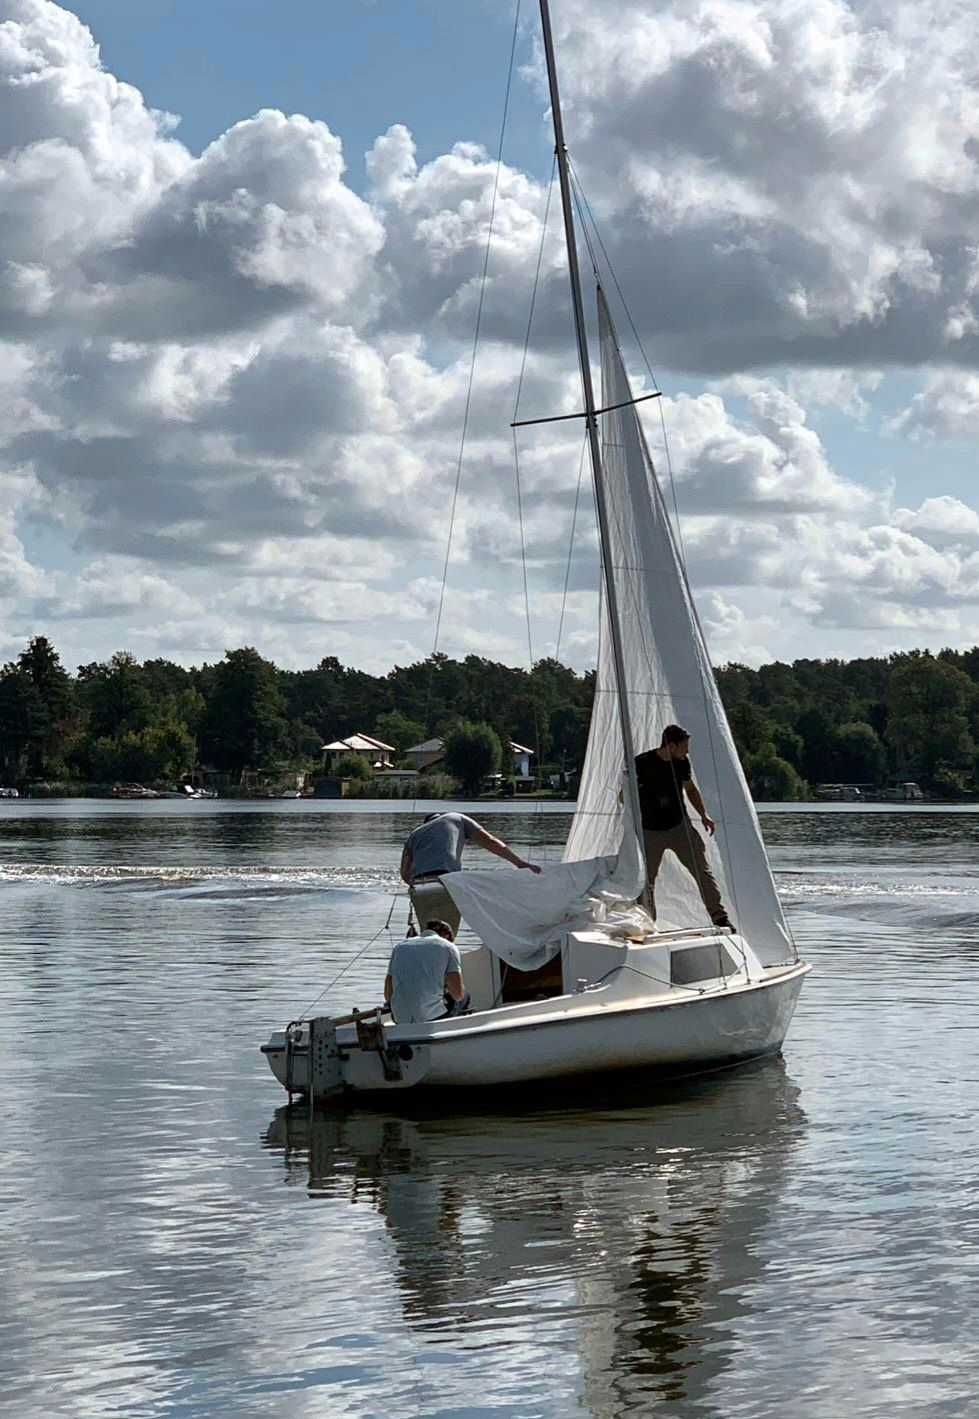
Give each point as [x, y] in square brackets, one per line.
[695, 963]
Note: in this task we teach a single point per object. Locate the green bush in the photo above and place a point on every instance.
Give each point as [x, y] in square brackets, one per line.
[772, 779]
[471, 752]
[353, 766]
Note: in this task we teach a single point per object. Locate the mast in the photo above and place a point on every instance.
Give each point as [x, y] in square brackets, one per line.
[591, 423]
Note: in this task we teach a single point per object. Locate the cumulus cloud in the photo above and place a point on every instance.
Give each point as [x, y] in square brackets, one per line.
[807, 180]
[261, 224]
[946, 408]
[232, 388]
[774, 464]
[81, 158]
[733, 635]
[941, 521]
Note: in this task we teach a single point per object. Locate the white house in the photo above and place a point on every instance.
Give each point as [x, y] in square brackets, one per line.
[521, 760]
[365, 746]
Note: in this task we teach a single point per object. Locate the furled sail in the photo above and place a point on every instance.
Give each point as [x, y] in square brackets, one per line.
[669, 680]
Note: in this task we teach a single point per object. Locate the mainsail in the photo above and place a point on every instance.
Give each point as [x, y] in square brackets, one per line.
[669, 680]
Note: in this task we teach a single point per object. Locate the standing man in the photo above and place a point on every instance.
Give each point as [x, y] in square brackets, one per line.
[664, 777]
[424, 975]
[436, 847]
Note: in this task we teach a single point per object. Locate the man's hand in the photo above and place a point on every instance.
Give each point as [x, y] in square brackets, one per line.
[708, 823]
[531, 866]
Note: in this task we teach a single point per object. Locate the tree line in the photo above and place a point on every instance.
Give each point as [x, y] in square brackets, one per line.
[871, 721]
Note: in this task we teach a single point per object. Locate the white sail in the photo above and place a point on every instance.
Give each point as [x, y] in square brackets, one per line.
[668, 680]
[524, 917]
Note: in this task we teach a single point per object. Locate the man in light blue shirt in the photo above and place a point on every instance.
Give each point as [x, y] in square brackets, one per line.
[436, 847]
[423, 970]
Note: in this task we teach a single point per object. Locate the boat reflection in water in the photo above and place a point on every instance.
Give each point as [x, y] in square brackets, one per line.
[630, 1235]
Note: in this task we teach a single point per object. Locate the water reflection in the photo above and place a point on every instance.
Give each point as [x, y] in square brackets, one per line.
[631, 1234]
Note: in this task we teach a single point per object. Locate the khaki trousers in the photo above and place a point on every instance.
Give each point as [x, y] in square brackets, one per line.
[688, 845]
[432, 903]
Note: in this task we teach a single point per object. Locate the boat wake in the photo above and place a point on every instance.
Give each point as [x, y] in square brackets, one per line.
[201, 881]
[856, 888]
[923, 909]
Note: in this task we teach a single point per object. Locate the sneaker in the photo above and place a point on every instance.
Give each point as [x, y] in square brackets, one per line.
[725, 922]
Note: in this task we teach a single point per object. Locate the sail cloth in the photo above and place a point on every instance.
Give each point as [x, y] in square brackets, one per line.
[669, 680]
[523, 917]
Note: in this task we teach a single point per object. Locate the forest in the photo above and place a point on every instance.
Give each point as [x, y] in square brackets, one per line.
[876, 721]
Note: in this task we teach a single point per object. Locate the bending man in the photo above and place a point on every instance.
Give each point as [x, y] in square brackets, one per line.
[436, 847]
[664, 777]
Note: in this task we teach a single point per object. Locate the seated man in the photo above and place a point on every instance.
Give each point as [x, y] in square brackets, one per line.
[423, 971]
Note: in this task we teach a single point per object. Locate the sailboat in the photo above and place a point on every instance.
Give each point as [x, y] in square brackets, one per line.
[571, 977]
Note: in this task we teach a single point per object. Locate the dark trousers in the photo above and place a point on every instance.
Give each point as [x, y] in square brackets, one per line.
[687, 844]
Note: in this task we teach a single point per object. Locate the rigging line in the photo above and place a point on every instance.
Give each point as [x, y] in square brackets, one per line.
[516, 465]
[472, 366]
[536, 286]
[479, 317]
[567, 569]
[580, 192]
[647, 975]
[611, 270]
[580, 198]
[667, 451]
[584, 227]
[726, 857]
[705, 688]
[662, 413]
[527, 602]
[353, 960]
[581, 201]
[677, 554]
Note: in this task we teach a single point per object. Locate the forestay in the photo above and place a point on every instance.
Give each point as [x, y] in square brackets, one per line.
[668, 680]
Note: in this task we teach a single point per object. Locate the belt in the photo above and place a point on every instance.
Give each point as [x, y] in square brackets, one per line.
[428, 877]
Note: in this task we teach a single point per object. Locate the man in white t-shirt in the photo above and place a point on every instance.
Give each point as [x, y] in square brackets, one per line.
[424, 970]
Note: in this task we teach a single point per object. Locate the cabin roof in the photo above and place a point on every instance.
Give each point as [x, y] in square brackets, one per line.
[358, 741]
[431, 746]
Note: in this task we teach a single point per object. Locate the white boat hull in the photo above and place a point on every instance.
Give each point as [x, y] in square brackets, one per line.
[674, 1031]
[676, 1037]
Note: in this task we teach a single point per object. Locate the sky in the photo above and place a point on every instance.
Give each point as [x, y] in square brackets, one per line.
[241, 250]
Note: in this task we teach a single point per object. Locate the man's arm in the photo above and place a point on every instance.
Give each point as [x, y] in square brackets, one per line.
[454, 985]
[407, 862]
[693, 793]
[484, 839]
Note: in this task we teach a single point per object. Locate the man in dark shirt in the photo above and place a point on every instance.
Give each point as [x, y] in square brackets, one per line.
[664, 778]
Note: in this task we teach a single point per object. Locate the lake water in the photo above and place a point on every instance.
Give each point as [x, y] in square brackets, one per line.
[795, 1238]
